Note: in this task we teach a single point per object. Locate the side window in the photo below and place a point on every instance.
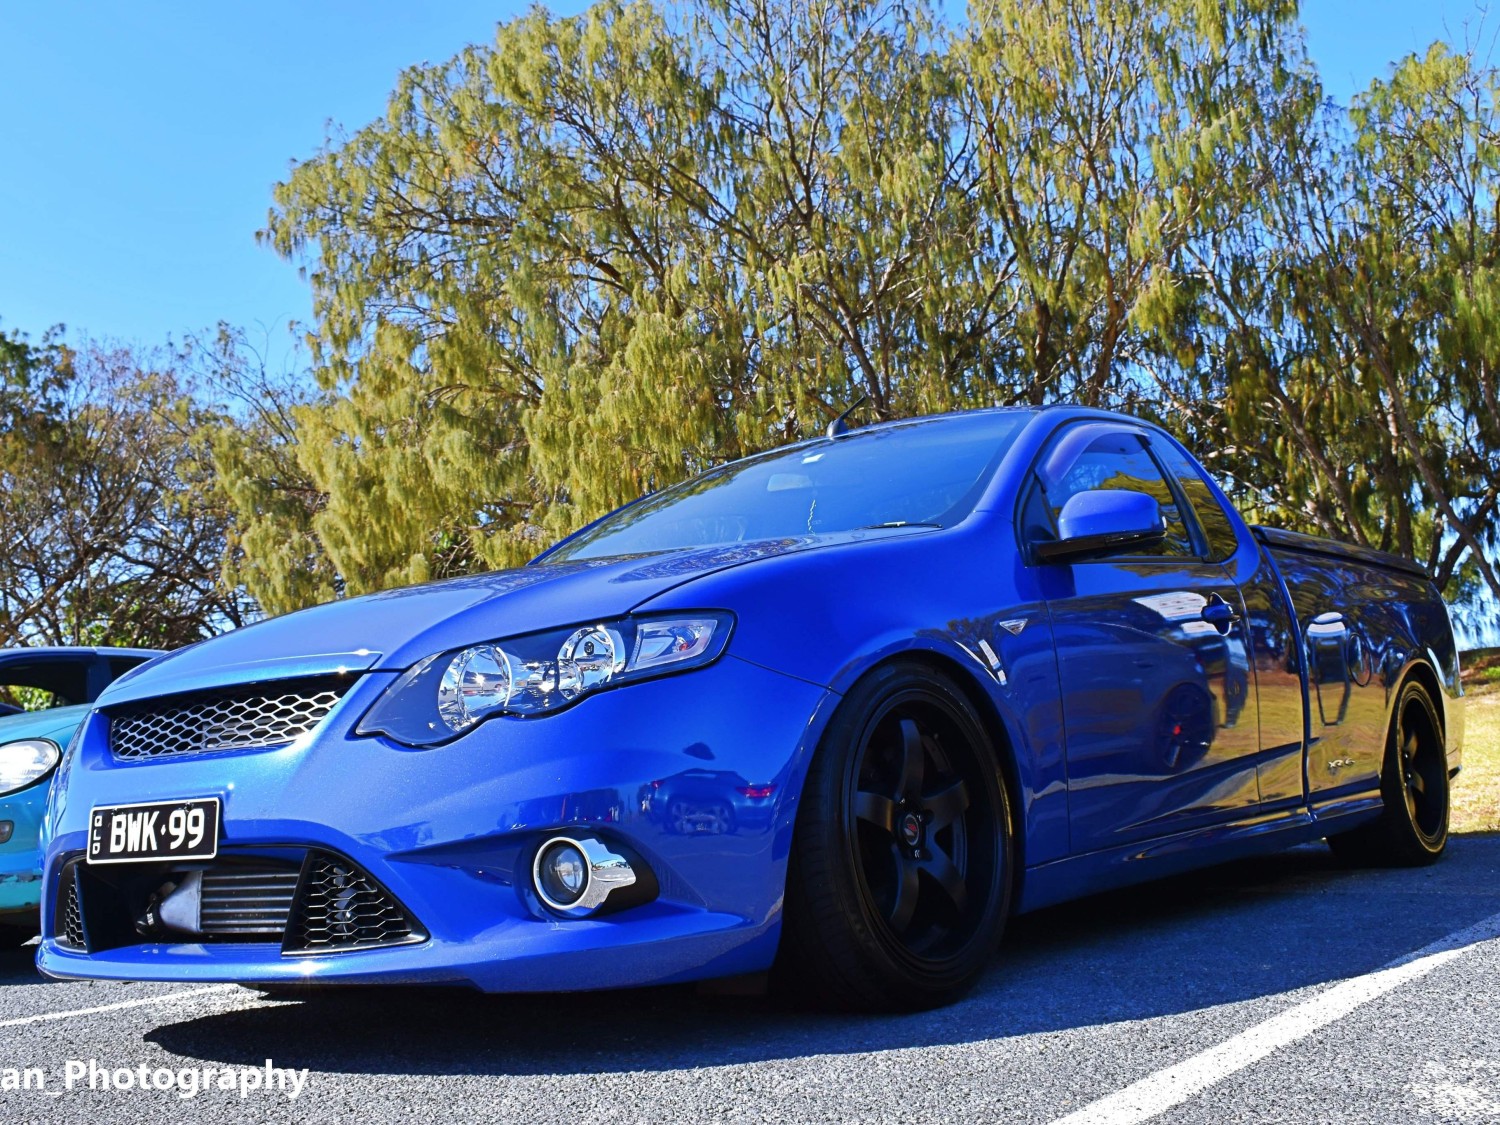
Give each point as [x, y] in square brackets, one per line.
[1112, 459]
[1217, 530]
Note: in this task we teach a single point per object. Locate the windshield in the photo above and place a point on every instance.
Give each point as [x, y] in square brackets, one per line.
[929, 473]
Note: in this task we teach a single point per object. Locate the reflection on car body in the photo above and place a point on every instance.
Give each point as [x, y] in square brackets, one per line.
[708, 802]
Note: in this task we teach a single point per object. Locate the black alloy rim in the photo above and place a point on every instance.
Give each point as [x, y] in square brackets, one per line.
[924, 831]
[1423, 767]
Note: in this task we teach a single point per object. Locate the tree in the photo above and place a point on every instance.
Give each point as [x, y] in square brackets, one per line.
[1115, 138]
[1351, 341]
[613, 250]
[606, 252]
[1407, 291]
[272, 554]
[103, 485]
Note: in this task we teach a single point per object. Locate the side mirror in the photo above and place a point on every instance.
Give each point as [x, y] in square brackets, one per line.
[1104, 522]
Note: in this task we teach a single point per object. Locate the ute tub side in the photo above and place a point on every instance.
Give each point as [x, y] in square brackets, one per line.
[1368, 620]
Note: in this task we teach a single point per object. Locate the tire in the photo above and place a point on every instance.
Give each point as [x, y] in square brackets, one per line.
[898, 885]
[1413, 827]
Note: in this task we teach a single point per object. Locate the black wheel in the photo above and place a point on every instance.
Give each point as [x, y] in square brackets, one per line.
[1413, 827]
[13, 937]
[899, 880]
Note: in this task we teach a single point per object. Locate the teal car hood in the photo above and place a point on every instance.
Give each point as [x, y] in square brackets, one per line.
[58, 725]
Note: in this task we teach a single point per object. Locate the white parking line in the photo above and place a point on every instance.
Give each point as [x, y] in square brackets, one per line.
[1159, 1092]
[121, 1006]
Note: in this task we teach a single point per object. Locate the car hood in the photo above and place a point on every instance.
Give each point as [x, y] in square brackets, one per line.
[56, 725]
[394, 629]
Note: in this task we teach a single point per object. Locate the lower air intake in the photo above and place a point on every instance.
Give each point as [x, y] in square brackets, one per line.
[69, 927]
[338, 907]
[247, 901]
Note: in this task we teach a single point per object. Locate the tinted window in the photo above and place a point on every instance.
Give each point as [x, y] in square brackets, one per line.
[1217, 529]
[119, 665]
[922, 473]
[1111, 459]
[22, 697]
[40, 683]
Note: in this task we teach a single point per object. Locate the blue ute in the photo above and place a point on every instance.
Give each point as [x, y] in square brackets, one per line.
[837, 710]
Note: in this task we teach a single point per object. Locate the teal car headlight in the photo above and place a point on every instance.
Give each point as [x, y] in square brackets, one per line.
[26, 762]
[451, 692]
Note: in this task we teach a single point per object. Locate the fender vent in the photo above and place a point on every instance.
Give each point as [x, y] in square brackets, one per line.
[338, 908]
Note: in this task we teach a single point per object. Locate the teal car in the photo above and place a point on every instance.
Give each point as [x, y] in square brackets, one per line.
[58, 685]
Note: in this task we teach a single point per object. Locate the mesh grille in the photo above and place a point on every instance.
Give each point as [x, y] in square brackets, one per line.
[247, 901]
[339, 907]
[259, 719]
[69, 914]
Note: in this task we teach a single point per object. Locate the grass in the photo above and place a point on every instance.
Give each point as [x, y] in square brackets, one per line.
[1476, 790]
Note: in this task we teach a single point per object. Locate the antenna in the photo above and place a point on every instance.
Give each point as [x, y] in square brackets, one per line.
[840, 425]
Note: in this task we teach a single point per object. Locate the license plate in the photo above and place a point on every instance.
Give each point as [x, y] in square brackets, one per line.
[159, 830]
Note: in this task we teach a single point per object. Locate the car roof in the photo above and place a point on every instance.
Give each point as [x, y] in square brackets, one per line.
[1068, 410]
[46, 652]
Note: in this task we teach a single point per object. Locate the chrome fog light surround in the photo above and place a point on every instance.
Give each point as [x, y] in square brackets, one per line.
[605, 872]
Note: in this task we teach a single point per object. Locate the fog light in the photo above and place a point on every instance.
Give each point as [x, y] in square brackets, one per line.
[562, 874]
[579, 877]
[6, 828]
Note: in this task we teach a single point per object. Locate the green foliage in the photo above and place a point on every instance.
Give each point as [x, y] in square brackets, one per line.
[602, 253]
[270, 545]
[111, 534]
[1349, 347]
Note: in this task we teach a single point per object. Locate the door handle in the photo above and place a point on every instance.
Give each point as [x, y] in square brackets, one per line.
[1220, 614]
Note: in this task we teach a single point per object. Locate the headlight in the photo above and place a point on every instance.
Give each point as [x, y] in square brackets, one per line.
[24, 762]
[451, 692]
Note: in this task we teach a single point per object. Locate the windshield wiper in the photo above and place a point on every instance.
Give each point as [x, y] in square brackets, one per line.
[896, 523]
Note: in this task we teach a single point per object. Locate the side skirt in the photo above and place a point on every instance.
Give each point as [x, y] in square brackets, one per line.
[1060, 880]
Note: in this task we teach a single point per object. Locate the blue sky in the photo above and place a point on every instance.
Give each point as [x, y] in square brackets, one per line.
[140, 142]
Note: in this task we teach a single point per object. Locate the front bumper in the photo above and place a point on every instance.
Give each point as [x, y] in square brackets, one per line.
[20, 856]
[450, 832]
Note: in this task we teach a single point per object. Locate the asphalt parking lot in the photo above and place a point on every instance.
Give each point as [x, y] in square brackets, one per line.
[1247, 993]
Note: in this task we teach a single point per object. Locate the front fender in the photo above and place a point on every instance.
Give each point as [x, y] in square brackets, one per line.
[830, 617]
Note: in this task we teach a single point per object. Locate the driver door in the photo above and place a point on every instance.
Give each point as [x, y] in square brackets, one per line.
[1161, 728]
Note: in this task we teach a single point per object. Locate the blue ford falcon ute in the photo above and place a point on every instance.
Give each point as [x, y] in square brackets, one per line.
[837, 710]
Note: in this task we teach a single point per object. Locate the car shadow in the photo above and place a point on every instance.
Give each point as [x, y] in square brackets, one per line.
[18, 966]
[1233, 933]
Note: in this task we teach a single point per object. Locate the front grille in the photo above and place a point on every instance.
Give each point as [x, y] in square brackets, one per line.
[260, 718]
[247, 901]
[339, 907]
[69, 927]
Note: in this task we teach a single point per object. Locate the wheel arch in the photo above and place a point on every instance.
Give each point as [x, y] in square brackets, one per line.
[1422, 672]
[996, 725]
